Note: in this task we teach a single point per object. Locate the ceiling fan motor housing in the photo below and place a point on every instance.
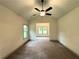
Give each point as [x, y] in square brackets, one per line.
[42, 10]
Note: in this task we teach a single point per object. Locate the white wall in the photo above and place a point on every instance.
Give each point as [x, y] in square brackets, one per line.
[69, 30]
[53, 26]
[10, 31]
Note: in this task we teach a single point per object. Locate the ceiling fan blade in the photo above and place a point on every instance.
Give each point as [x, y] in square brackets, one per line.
[37, 9]
[48, 14]
[48, 9]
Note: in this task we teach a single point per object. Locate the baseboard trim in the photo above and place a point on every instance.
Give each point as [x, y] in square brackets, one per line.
[54, 40]
[16, 49]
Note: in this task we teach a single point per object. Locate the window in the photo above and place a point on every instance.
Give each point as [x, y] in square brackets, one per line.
[43, 30]
[25, 31]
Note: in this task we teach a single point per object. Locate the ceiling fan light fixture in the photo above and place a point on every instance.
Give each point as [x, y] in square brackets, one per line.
[42, 13]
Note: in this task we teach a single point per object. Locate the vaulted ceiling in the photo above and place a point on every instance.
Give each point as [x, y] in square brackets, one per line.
[25, 8]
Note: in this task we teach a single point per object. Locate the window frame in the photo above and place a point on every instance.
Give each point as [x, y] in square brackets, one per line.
[27, 32]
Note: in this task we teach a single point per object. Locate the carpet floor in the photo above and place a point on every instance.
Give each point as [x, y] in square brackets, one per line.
[43, 49]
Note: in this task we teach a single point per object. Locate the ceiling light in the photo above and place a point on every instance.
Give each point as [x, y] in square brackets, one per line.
[42, 13]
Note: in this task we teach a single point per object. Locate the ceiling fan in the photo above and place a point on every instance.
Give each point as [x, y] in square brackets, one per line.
[44, 12]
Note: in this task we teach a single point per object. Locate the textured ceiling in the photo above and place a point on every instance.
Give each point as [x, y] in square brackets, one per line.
[25, 8]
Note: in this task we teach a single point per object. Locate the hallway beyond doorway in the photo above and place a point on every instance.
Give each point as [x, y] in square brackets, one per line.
[43, 49]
